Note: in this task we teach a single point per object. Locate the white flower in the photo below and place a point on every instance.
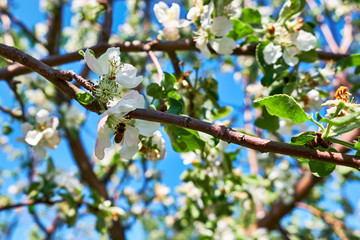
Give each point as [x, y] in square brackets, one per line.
[288, 44]
[189, 158]
[110, 67]
[154, 147]
[114, 118]
[272, 53]
[69, 181]
[214, 33]
[43, 135]
[313, 100]
[73, 116]
[290, 55]
[161, 192]
[169, 17]
[305, 41]
[223, 231]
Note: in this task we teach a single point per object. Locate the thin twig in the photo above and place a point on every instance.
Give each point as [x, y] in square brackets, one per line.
[337, 225]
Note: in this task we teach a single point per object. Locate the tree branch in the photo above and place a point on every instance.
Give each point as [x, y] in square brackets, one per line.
[259, 144]
[30, 202]
[137, 46]
[336, 225]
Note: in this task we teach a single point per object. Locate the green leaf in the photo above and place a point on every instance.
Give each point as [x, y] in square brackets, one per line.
[290, 8]
[50, 166]
[347, 119]
[169, 82]
[239, 30]
[350, 61]
[176, 107]
[321, 169]
[82, 53]
[154, 90]
[284, 106]
[270, 73]
[84, 98]
[184, 140]
[344, 128]
[212, 141]
[221, 112]
[250, 15]
[309, 56]
[267, 121]
[250, 39]
[303, 138]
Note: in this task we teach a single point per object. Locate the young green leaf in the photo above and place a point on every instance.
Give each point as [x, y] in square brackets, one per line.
[84, 98]
[284, 106]
[154, 90]
[350, 61]
[267, 121]
[303, 138]
[176, 107]
[290, 8]
[184, 140]
[239, 30]
[250, 15]
[344, 120]
[321, 169]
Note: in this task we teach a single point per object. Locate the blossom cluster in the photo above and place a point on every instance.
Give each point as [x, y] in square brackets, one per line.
[287, 42]
[115, 120]
[212, 31]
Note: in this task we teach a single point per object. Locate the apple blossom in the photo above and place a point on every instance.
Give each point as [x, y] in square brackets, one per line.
[43, 134]
[154, 147]
[111, 72]
[169, 17]
[288, 44]
[115, 116]
[214, 33]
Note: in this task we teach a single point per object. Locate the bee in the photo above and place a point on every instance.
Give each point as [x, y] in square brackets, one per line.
[119, 132]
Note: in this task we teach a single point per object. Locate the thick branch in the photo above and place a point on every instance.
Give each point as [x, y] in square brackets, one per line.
[54, 76]
[137, 46]
[258, 144]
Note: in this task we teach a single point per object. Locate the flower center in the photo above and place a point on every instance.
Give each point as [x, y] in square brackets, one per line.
[107, 89]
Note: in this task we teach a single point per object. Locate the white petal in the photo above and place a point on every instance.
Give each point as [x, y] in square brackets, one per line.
[127, 76]
[160, 10]
[290, 56]
[221, 26]
[127, 152]
[33, 137]
[25, 127]
[100, 146]
[111, 54]
[54, 122]
[183, 23]
[174, 11]
[223, 45]
[128, 103]
[42, 116]
[146, 128]
[193, 13]
[272, 53]
[131, 136]
[305, 41]
[52, 138]
[93, 63]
